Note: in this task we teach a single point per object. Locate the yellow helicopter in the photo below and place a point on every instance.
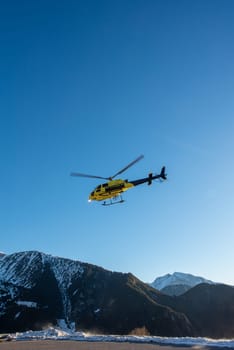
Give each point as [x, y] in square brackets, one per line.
[113, 189]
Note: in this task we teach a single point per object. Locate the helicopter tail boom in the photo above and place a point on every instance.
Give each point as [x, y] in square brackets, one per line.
[150, 178]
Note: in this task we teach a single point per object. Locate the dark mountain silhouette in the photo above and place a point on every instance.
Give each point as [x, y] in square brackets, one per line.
[210, 308]
[37, 289]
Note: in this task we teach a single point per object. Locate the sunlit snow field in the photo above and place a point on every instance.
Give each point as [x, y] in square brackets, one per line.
[59, 334]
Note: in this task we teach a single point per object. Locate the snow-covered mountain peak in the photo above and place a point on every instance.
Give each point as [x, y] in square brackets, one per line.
[178, 282]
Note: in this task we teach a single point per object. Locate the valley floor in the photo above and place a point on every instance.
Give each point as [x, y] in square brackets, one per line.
[80, 345]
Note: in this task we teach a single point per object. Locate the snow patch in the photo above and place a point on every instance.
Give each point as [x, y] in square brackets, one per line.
[30, 304]
[62, 324]
[64, 271]
[17, 315]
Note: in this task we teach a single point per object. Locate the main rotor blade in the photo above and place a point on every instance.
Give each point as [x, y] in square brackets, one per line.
[128, 166]
[91, 176]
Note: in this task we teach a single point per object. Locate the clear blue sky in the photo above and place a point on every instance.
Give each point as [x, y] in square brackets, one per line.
[88, 86]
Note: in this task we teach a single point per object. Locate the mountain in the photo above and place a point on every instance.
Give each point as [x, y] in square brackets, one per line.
[210, 308]
[38, 289]
[177, 283]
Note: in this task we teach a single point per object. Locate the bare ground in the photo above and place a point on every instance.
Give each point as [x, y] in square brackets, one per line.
[79, 345]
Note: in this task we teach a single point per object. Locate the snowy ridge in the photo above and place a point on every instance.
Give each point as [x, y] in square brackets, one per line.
[59, 334]
[24, 269]
[10, 272]
[64, 269]
[178, 278]
[33, 262]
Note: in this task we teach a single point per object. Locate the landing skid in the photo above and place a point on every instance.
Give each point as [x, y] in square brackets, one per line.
[113, 201]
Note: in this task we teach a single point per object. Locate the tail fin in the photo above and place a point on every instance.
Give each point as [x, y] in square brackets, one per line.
[163, 175]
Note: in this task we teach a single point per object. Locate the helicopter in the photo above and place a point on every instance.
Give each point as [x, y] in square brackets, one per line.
[111, 192]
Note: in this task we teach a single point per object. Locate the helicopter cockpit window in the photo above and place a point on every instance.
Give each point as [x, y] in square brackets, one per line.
[105, 185]
[98, 188]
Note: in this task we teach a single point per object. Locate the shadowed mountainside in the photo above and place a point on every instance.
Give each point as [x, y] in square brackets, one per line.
[210, 308]
[37, 289]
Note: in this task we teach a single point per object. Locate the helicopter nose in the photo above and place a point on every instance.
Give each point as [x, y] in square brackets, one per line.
[90, 197]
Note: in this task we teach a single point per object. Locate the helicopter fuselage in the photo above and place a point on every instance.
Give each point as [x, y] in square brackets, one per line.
[110, 190]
